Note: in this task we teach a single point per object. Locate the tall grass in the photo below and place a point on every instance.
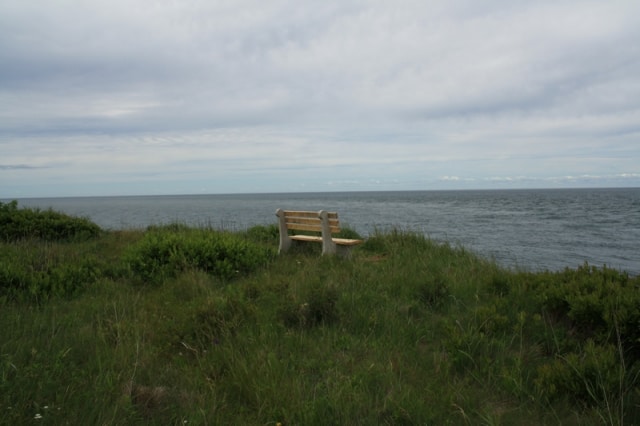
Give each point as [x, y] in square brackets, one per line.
[407, 331]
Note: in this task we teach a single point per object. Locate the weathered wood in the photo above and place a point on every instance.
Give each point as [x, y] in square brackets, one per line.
[311, 227]
[323, 222]
[302, 213]
[346, 242]
[306, 238]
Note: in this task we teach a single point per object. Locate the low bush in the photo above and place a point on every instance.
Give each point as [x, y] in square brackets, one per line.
[17, 224]
[590, 376]
[163, 253]
[598, 303]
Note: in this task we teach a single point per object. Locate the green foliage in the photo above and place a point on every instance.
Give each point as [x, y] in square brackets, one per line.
[394, 240]
[316, 306]
[200, 323]
[434, 291]
[406, 331]
[215, 320]
[375, 243]
[44, 271]
[599, 304]
[587, 376]
[348, 233]
[501, 282]
[263, 234]
[164, 253]
[17, 224]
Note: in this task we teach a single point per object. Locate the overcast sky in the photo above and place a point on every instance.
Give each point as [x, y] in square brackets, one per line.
[125, 97]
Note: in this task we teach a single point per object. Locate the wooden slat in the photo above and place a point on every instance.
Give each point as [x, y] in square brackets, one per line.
[346, 242]
[309, 228]
[291, 213]
[304, 227]
[306, 238]
[339, 241]
[309, 221]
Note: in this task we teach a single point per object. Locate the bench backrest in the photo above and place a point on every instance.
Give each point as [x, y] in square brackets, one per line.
[310, 221]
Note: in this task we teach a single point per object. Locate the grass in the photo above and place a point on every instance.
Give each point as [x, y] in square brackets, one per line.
[148, 328]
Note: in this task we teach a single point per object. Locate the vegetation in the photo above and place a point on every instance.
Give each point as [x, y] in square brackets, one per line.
[173, 325]
[17, 224]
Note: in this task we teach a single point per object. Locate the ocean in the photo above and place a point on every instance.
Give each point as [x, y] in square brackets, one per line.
[533, 229]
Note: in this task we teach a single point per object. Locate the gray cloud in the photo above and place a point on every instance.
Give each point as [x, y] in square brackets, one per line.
[17, 167]
[436, 85]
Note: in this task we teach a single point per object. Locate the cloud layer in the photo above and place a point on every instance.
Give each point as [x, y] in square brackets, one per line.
[195, 96]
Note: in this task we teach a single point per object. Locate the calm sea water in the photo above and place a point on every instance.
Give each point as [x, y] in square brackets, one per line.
[529, 229]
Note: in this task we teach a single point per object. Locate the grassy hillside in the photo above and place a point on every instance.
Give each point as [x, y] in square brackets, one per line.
[173, 325]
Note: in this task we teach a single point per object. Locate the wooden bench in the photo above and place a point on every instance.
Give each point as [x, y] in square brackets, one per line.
[321, 222]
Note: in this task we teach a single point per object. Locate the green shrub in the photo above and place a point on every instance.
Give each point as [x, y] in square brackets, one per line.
[491, 318]
[469, 349]
[589, 377]
[17, 224]
[600, 304]
[500, 283]
[163, 254]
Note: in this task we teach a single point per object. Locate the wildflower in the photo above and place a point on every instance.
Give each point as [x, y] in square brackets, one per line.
[38, 416]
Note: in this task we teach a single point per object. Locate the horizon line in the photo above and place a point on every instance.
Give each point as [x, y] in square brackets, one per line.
[194, 194]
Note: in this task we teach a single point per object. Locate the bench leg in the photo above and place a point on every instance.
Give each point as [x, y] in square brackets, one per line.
[285, 244]
[329, 247]
[343, 251]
